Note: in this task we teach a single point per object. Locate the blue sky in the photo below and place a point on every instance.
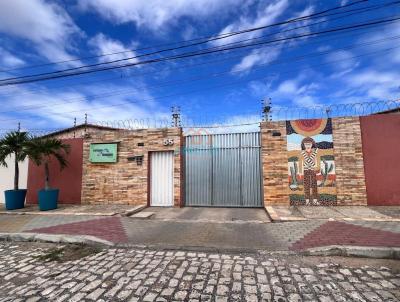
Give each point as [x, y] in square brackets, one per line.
[38, 32]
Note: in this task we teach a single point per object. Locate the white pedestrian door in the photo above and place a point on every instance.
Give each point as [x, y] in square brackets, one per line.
[162, 179]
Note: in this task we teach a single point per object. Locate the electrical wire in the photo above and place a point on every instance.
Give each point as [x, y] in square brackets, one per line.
[198, 90]
[47, 76]
[207, 39]
[30, 91]
[207, 76]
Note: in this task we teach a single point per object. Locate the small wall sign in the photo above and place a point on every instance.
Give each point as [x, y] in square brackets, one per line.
[103, 153]
[168, 142]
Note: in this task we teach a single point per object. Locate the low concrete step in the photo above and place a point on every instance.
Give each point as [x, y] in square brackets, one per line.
[143, 215]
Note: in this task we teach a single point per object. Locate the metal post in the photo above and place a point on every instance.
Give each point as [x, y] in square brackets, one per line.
[74, 125]
[266, 109]
[176, 116]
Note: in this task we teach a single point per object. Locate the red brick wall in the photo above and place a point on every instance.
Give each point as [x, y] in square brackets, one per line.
[381, 148]
[68, 180]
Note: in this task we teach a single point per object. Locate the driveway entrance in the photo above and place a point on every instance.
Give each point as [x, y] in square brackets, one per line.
[223, 170]
[215, 215]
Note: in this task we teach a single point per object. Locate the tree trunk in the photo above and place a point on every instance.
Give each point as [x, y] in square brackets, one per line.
[16, 172]
[46, 172]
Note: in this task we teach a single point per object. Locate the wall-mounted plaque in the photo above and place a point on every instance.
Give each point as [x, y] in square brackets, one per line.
[103, 153]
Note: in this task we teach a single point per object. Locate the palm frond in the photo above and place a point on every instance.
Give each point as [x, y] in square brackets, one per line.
[41, 150]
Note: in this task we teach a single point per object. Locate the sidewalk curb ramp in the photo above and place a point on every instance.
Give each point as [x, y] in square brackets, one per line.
[355, 251]
[51, 238]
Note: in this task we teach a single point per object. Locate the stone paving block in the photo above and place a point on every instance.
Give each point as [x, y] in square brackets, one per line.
[14, 223]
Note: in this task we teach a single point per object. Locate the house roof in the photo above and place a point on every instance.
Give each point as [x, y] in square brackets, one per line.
[389, 111]
[82, 126]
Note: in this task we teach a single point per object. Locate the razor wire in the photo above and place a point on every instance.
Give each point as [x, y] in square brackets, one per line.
[332, 111]
[218, 122]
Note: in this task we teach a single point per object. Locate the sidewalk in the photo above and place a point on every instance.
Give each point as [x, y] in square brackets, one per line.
[339, 213]
[69, 209]
[241, 236]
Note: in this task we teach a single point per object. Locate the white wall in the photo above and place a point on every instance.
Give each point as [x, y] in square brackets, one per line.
[7, 176]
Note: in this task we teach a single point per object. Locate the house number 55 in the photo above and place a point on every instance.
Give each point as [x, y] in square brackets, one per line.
[168, 142]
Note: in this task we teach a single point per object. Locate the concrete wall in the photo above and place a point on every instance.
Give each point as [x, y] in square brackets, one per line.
[126, 182]
[381, 148]
[7, 176]
[68, 180]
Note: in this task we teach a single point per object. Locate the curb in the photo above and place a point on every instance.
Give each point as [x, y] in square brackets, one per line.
[276, 218]
[355, 251]
[59, 213]
[134, 210]
[36, 237]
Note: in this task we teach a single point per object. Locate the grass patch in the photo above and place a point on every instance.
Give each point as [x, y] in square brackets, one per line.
[69, 252]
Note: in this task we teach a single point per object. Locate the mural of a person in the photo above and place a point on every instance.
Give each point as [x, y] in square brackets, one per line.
[310, 164]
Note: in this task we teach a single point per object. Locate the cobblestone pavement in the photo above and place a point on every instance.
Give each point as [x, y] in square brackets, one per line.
[151, 275]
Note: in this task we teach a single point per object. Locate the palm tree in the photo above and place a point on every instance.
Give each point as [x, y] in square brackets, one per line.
[14, 142]
[41, 150]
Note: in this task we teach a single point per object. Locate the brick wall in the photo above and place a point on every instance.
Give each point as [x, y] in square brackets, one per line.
[350, 178]
[126, 182]
[274, 163]
[350, 184]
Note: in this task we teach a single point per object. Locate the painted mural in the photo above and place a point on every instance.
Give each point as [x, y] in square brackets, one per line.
[311, 163]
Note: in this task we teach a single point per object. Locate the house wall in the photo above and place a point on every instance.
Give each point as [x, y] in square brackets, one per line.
[346, 181]
[126, 182]
[7, 176]
[68, 180]
[350, 177]
[381, 148]
[274, 163]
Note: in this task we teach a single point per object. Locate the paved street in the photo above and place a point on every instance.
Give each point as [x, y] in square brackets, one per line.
[151, 275]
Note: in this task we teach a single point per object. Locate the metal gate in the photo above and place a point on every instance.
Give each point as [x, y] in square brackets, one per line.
[223, 170]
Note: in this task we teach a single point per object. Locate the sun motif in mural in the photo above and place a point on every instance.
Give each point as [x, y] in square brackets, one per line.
[309, 127]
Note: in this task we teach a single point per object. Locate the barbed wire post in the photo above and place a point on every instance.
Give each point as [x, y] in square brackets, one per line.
[267, 109]
[176, 116]
[85, 122]
[74, 126]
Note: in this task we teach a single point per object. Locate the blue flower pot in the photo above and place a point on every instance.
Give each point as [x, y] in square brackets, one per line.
[15, 199]
[48, 199]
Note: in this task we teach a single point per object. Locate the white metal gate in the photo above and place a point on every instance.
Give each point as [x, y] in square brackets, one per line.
[162, 179]
[223, 170]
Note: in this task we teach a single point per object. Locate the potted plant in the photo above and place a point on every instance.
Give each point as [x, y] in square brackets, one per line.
[41, 151]
[14, 143]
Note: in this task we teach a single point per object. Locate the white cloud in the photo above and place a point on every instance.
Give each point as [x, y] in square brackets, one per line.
[265, 16]
[57, 109]
[8, 60]
[46, 25]
[257, 56]
[155, 14]
[105, 45]
[374, 84]
[288, 87]
[342, 59]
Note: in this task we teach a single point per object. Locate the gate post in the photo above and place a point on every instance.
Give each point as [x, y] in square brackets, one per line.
[274, 163]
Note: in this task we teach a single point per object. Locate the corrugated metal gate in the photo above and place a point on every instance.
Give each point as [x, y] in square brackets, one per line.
[223, 170]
